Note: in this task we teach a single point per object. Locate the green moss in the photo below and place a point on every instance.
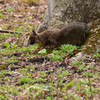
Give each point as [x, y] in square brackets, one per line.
[92, 44]
[93, 39]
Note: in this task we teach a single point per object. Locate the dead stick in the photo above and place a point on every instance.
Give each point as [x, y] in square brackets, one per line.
[11, 32]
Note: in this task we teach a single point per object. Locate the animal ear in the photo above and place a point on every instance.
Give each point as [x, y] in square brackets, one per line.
[33, 32]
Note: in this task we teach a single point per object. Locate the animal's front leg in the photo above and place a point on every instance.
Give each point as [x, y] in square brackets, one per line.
[53, 43]
[43, 44]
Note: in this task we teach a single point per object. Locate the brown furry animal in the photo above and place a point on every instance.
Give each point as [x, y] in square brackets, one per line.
[73, 33]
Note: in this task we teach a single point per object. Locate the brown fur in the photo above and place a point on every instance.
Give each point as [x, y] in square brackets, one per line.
[73, 33]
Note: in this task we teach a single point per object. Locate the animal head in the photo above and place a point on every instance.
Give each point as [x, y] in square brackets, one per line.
[33, 37]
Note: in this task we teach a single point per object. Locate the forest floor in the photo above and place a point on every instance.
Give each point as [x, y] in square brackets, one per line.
[28, 73]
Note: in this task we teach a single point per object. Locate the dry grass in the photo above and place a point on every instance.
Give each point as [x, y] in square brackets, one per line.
[2, 1]
[29, 1]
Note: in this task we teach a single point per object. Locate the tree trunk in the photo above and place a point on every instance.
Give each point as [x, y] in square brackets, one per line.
[61, 12]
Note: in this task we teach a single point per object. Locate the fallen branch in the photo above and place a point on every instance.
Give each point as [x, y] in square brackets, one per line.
[11, 32]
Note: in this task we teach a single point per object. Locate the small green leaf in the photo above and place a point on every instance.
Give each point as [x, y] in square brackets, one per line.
[68, 84]
[14, 45]
[43, 51]
[7, 45]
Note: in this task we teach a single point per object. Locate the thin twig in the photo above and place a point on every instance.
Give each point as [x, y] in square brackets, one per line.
[11, 32]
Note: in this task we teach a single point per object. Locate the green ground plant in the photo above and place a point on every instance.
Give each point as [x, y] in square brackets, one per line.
[2, 16]
[81, 68]
[96, 55]
[9, 9]
[68, 48]
[76, 63]
[24, 75]
[25, 80]
[14, 48]
[64, 50]
[2, 36]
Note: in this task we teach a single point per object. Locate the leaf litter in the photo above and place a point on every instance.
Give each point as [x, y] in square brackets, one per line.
[25, 74]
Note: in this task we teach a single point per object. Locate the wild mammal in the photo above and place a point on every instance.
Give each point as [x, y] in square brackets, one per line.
[46, 37]
[73, 33]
